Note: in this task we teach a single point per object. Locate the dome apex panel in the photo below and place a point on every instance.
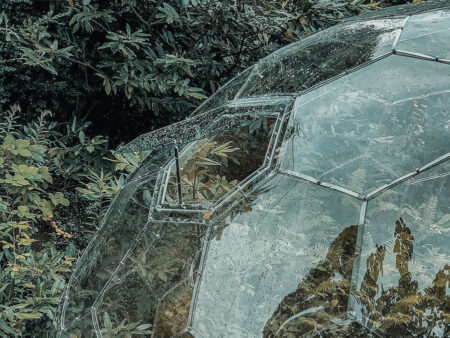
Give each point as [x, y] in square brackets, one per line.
[361, 135]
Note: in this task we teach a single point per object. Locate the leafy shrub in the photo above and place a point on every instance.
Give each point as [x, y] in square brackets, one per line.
[53, 193]
[33, 271]
[96, 57]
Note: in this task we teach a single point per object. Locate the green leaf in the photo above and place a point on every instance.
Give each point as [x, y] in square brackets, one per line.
[58, 198]
[6, 329]
[144, 326]
[107, 321]
[82, 137]
[26, 315]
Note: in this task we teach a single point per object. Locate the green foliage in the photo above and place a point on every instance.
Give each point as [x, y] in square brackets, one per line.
[53, 194]
[162, 57]
[33, 273]
[99, 191]
[198, 181]
[123, 329]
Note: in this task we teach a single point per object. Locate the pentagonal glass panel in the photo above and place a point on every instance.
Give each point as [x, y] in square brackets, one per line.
[214, 122]
[210, 168]
[301, 65]
[263, 250]
[427, 33]
[401, 284]
[348, 137]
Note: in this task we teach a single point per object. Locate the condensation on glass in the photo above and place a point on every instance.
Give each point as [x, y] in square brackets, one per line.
[310, 196]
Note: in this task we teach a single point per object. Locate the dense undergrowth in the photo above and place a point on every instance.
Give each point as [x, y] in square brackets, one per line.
[55, 186]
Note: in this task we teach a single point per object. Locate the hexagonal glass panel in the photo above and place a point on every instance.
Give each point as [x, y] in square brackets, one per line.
[401, 284]
[361, 137]
[210, 168]
[271, 257]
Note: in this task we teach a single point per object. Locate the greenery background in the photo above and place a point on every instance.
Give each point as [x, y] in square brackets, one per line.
[79, 77]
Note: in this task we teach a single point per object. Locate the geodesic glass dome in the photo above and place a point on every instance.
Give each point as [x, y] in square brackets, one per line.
[310, 196]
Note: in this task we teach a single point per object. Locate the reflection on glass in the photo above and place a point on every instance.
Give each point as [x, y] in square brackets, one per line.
[157, 281]
[322, 296]
[262, 249]
[302, 65]
[343, 134]
[403, 281]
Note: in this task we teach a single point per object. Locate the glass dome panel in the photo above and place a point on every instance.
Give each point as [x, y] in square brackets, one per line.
[163, 264]
[262, 249]
[427, 34]
[320, 57]
[113, 242]
[361, 134]
[404, 262]
[237, 114]
[124, 220]
[210, 168]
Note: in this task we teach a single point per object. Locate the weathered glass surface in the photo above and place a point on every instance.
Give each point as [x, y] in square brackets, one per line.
[309, 197]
